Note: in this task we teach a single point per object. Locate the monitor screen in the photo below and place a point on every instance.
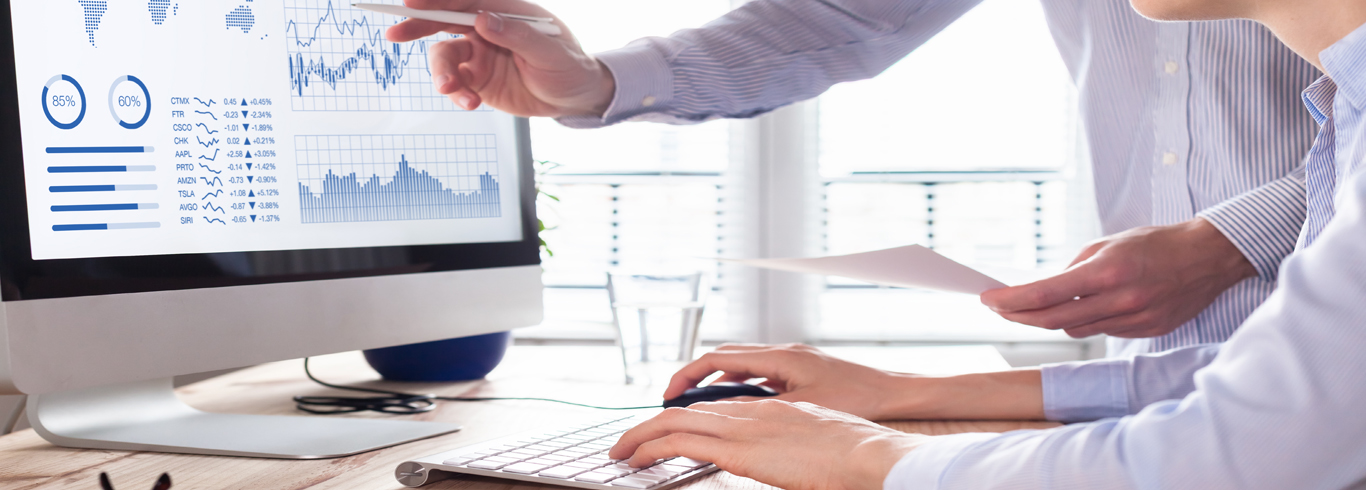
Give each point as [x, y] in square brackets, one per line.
[227, 130]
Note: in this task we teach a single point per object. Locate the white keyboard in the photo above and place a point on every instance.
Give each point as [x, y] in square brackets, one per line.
[573, 457]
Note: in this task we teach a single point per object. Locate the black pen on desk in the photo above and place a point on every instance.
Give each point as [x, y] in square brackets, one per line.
[542, 24]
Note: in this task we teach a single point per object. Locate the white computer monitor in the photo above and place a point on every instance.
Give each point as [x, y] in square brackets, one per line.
[194, 186]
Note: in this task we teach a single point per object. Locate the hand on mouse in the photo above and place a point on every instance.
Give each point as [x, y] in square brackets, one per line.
[771, 441]
[799, 373]
[802, 373]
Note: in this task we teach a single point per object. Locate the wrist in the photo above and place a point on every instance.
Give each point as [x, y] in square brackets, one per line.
[872, 460]
[1214, 248]
[600, 94]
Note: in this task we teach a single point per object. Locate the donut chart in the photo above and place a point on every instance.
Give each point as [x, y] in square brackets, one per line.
[63, 100]
[143, 103]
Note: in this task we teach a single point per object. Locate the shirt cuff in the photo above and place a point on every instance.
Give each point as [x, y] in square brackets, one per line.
[923, 468]
[1086, 390]
[644, 83]
[1264, 222]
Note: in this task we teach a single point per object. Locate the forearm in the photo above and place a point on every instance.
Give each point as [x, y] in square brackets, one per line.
[1005, 395]
[764, 55]
[1067, 392]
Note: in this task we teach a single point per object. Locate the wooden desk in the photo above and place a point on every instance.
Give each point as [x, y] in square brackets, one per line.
[584, 374]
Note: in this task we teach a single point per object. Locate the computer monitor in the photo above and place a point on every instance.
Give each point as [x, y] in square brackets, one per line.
[194, 186]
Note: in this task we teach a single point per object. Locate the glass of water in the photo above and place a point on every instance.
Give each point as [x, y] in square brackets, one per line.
[657, 316]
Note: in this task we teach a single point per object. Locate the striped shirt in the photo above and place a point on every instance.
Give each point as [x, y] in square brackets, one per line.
[1277, 406]
[1155, 101]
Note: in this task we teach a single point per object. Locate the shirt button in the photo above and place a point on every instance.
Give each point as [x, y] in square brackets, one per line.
[1171, 67]
[1169, 158]
[648, 101]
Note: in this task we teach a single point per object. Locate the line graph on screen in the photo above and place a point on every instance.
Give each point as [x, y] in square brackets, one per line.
[339, 60]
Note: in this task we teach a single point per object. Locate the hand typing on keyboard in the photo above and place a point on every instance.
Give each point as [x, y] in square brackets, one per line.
[795, 446]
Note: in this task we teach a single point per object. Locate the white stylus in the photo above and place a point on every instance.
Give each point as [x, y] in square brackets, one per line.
[459, 18]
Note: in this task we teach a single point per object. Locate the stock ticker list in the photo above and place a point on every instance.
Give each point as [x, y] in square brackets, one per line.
[225, 161]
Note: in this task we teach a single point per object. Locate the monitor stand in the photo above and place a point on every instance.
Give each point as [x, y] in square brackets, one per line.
[147, 416]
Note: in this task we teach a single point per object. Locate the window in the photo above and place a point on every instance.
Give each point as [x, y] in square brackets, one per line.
[939, 150]
[632, 195]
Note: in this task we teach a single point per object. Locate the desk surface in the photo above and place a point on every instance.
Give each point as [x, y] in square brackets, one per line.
[585, 374]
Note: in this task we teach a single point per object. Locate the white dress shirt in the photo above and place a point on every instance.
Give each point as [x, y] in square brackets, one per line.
[1155, 99]
[1280, 405]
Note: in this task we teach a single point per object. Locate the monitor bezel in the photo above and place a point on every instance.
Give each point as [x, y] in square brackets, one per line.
[23, 278]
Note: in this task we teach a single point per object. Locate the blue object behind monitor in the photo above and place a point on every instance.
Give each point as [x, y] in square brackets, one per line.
[461, 359]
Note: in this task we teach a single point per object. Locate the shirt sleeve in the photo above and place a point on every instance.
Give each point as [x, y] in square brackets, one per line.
[1279, 407]
[1093, 390]
[765, 55]
[1264, 223]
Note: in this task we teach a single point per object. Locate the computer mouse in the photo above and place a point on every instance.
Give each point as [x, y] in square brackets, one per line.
[718, 391]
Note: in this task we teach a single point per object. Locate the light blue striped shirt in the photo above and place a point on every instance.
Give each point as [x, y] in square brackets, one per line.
[1277, 406]
[1155, 99]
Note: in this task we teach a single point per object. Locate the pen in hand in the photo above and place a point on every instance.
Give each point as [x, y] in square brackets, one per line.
[545, 25]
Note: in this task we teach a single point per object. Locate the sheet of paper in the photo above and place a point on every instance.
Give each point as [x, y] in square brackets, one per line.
[911, 267]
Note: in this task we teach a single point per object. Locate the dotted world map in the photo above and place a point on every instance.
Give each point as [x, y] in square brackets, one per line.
[160, 11]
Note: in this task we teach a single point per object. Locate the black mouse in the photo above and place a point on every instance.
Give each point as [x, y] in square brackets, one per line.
[718, 391]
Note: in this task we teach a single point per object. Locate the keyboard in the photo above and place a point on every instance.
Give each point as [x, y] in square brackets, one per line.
[574, 456]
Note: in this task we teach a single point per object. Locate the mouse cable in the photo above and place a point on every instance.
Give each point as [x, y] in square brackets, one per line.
[397, 402]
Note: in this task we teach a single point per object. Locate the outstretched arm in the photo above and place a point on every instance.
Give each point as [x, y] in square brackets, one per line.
[766, 54]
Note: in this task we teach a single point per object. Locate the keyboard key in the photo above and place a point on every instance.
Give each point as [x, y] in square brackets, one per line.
[556, 444]
[523, 468]
[576, 450]
[671, 467]
[520, 454]
[491, 463]
[586, 466]
[689, 463]
[466, 457]
[613, 471]
[541, 447]
[625, 467]
[663, 470]
[633, 482]
[647, 476]
[601, 446]
[598, 460]
[559, 457]
[596, 477]
[562, 472]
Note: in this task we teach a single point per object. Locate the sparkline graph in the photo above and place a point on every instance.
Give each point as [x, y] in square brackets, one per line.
[340, 61]
[362, 178]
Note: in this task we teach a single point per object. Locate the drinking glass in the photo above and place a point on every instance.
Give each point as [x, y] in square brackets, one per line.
[657, 316]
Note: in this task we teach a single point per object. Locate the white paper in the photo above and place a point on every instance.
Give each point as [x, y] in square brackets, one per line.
[910, 267]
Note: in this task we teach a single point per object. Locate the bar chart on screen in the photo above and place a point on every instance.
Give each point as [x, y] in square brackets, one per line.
[365, 178]
[339, 60]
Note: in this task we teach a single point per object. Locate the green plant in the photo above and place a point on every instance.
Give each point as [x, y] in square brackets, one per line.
[544, 167]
